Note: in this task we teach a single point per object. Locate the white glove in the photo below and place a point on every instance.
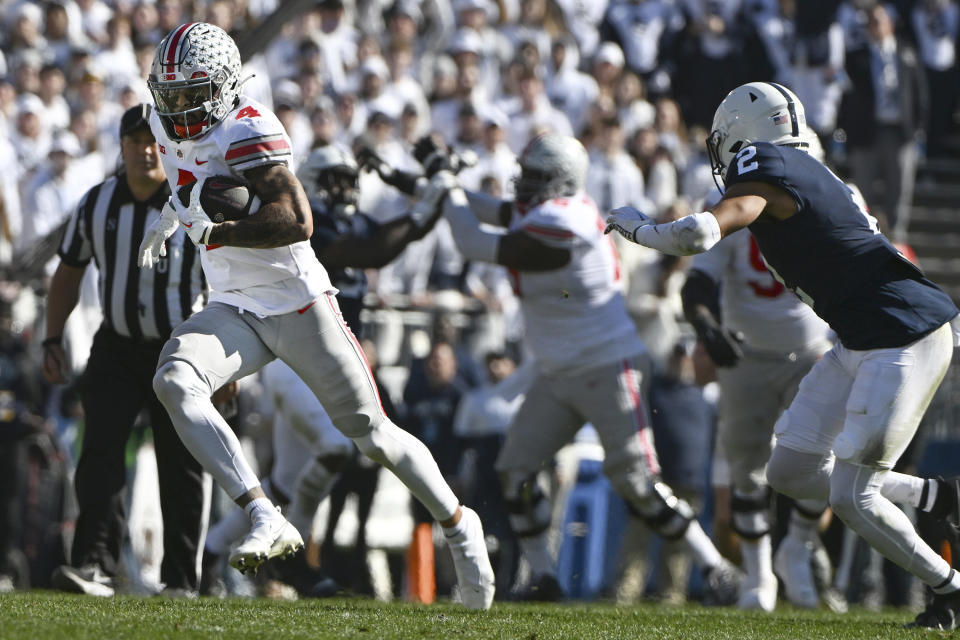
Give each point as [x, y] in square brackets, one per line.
[432, 196]
[626, 221]
[153, 246]
[194, 219]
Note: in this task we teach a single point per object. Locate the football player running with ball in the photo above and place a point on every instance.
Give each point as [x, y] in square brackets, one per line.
[858, 408]
[270, 298]
[591, 366]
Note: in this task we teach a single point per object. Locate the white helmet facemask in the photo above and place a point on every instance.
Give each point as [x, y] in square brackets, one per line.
[754, 112]
[195, 79]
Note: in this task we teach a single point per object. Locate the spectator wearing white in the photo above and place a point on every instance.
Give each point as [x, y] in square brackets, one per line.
[24, 34]
[374, 76]
[613, 177]
[936, 24]
[8, 106]
[91, 93]
[568, 88]
[817, 70]
[26, 70]
[288, 107]
[31, 138]
[531, 26]
[465, 52]
[91, 161]
[338, 41]
[668, 121]
[323, 122]
[10, 229]
[534, 114]
[402, 86]
[495, 159]
[58, 33]
[118, 54]
[583, 21]
[643, 29]
[495, 50]
[606, 68]
[660, 173]
[351, 121]
[94, 15]
[54, 190]
[633, 109]
[51, 89]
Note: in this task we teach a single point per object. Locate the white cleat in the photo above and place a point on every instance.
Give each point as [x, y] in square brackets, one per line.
[759, 593]
[470, 559]
[793, 565]
[269, 538]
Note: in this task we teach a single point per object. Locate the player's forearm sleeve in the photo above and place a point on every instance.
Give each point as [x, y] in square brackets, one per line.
[487, 209]
[472, 241]
[691, 234]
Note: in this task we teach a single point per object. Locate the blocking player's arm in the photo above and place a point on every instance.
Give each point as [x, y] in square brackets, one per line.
[283, 217]
[376, 249]
[516, 249]
[701, 309]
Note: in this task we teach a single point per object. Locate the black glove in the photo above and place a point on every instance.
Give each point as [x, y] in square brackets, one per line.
[432, 153]
[721, 344]
[369, 160]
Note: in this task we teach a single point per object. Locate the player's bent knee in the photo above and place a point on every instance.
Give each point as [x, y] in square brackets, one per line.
[380, 442]
[172, 381]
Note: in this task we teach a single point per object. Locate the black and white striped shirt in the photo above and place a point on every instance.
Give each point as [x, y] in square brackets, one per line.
[108, 226]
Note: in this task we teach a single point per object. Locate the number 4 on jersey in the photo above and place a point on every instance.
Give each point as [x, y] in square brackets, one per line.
[248, 112]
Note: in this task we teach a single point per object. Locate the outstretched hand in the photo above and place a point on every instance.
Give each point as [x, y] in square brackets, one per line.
[626, 221]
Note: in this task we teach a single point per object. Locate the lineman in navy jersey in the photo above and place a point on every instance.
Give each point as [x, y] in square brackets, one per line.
[860, 405]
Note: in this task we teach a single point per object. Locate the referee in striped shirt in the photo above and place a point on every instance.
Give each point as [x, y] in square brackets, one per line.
[140, 308]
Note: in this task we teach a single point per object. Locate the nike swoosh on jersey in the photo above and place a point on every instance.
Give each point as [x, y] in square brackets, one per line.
[188, 226]
[200, 162]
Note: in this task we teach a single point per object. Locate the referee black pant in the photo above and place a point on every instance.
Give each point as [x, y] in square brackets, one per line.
[116, 386]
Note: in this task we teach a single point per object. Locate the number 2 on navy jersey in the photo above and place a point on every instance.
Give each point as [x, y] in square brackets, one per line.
[744, 165]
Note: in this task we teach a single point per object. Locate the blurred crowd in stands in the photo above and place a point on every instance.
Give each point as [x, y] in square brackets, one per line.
[637, 81]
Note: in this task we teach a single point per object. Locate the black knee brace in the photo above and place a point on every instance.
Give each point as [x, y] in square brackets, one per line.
[526, 500]
[750, 515]
[664, 512]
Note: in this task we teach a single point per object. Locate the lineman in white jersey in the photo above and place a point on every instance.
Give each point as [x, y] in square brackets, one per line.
[271, 299]
[591, 367]
[767, 342]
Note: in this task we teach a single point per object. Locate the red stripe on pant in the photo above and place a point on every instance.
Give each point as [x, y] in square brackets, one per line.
[639, 418]
[357, 348]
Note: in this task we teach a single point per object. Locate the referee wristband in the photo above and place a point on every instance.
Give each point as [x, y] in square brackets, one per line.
[52, 340]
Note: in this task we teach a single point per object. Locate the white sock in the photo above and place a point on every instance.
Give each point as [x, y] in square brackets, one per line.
[757, 558]
[803, 528]
[538, 555]
[900, 488]
[457, 529]
[705, 554]
[261, 509]
[227, 531]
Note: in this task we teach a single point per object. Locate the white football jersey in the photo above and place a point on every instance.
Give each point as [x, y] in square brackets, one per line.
[752, 302]
[575, 316]
[264, 281]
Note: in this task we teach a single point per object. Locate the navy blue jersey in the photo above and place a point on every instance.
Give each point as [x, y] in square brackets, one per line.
[832, 256]
[350, 281]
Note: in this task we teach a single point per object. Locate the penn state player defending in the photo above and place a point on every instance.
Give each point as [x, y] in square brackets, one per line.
[767, 342]
[309, 451]
[591, 366]
[860, 405]
[270, 298]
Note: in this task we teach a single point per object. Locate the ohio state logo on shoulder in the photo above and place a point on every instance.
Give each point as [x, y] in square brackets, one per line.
[223, 198]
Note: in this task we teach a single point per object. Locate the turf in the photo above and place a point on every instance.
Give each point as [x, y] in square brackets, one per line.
[44, 615]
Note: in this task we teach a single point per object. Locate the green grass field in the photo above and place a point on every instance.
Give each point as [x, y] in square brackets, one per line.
[44, 615]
